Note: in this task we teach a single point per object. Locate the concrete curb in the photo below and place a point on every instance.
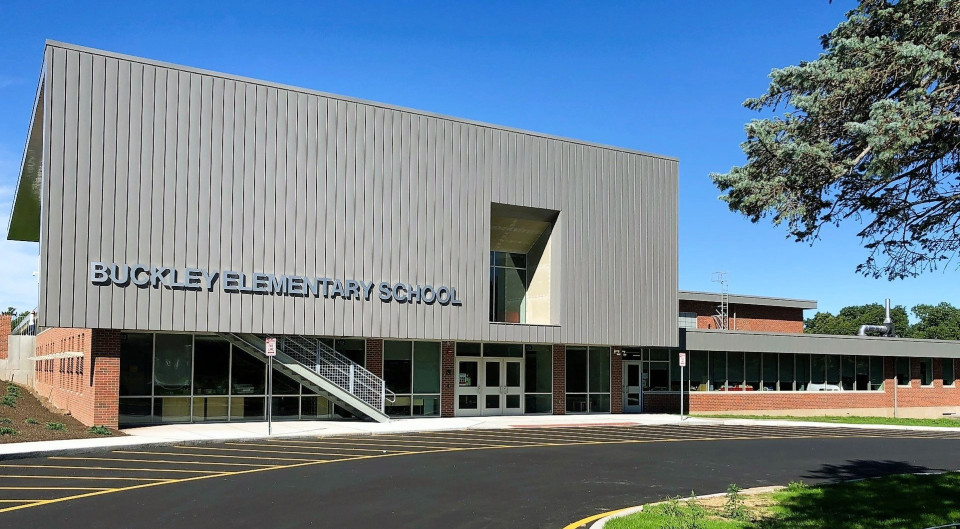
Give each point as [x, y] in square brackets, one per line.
[602, 522]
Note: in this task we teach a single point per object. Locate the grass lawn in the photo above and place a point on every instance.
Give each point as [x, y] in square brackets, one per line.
[904, 501]
[944, 422]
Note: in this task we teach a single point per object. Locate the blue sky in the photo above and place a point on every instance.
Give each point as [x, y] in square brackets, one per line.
[663, 77]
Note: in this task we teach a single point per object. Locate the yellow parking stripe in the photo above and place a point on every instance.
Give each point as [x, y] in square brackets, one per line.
[217, 463]
[319, 453]
[253, 450]
[111, 478]
[366, 442]
[56, 488]
[187, 454]
[113, 468]
[19, 501]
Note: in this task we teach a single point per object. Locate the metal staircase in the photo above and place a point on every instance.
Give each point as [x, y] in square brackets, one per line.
[330, 373]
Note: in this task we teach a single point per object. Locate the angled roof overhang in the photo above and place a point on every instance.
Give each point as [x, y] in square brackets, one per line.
[24, 223]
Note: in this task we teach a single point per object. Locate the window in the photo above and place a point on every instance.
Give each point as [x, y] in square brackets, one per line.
[508, 287]
[876, 373]
[848, 372]
[735, 371]
[786, 371]
[656, 370]
[752, 371]
[718, 370]
[588, 379]
[903, 371]
[926, 371]
[770, 373]
[698, 362]
[946, 371]
[412, 371]
[538, 386]
[687, 320]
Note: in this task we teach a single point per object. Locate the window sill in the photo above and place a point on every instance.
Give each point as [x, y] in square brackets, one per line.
[552, 325]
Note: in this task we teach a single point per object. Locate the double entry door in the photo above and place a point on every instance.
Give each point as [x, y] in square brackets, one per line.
[489, 386]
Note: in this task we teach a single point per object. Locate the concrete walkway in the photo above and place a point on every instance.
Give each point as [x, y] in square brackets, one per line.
[198, 433]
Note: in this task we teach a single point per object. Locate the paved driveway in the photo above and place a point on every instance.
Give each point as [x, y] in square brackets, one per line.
[518, 477]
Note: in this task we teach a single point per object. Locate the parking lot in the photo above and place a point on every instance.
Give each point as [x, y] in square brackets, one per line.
[39, 484]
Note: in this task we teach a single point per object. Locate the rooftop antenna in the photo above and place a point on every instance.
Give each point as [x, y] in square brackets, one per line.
[722, 317]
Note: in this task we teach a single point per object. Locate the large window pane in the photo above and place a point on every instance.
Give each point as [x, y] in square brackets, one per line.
[285, 408]
[926, 371]
[135, 412]
[506, 350]
[468, 349]
[752, 370]
[803, 372]
[172, 365]
[818, 370]
[577, 403]
[399, 408]
[786, 371]
[876, 372]
[718, 370]
[426, 367]
[210, 408]
[508, 289]
[697, 360]
[426, 405]
[770, 364]
[211, 370]
[946, 366]
[833, 370]
[576, 367]
[675, 371]
[903, 371]
[848, 372]
[538, 403]
[136, 366]
[172, 409]
[862, 377]
[599, 370]
[353, 349]
[600, 403]
[316, 408]
[284, 385]
[656, 376]
[539, 369]
[249, 408]
[248, 375]
[735, 369]
[398, 366]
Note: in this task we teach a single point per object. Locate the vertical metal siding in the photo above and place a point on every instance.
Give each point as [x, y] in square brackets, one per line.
[149, 164]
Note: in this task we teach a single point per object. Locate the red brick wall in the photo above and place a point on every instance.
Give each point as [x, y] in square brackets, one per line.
[913, 396]
[5, 320]
[616, 381]
[748, 317]
[559, 379]
[87, 387]
[374, 356]
[447, 377]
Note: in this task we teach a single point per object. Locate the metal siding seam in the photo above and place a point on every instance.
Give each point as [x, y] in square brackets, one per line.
[386, 251]
[69, 183]
[167, 204]
[237, 302]
[277, 251]
[129, 194]
[291, 215]
[46, 309]
[396, 178]
[78, 267]
[158, 179]
[95, 222]
[217, 216]
[332, 208]
[351, 225]
[206, 301]
[194, 202]
[371, 215]
[178, 299]
[267, 240]
[251, 308]
[147, 204]
[108, 230]
[309, 239]
[227, 180]
[428, 258]
[357, 222]
[374, 315]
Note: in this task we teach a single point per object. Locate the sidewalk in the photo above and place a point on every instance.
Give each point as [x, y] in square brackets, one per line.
[199, 433]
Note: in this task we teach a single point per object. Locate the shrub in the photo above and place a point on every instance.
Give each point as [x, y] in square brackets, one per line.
[6, 430]
[100, 430]
[796, 486]
[735, 507]
[9, 400]
[4, 420]
[13, 390]
[56, 426]
[32, 421]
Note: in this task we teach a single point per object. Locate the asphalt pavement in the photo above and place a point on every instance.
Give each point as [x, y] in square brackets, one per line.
[516, 477]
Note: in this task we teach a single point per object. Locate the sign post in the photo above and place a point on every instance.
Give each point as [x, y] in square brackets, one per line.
[271, 351]
[683, 363]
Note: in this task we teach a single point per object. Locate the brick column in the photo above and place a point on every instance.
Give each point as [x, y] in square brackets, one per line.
[5, 330]
[447, 377]
[105, 376]
[616, 381]
[374, 356]
[559, 379]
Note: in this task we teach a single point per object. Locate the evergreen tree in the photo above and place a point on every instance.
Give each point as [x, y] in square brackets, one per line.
[870, 132]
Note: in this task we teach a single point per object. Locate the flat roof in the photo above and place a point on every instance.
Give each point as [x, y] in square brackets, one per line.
[775, 342]
[743, 299]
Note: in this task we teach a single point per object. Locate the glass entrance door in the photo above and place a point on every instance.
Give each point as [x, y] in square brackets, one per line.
[468, 387]
[502, 389]
[632, 388]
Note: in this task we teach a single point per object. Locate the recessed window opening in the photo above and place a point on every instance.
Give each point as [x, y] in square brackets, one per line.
[521, 259]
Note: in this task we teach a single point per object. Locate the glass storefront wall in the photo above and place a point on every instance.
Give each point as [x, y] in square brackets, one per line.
[588, 379]
[195, 378]
[412, 371]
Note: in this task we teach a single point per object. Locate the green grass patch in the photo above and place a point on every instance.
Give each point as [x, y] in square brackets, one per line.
[944, 422]
[31, 421]
[9, 400]
[883, 503]
[4, 420]
[6, 430]
[13, 391]
[56, 426]
[100, 430]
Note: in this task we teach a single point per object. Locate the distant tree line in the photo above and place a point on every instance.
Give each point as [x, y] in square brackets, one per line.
[939, 322]
[17, 316]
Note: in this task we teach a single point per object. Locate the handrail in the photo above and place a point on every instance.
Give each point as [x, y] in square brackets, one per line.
[27, 326]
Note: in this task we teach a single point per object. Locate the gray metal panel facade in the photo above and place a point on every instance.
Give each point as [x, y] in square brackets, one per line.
[148, 163]
[714, 340]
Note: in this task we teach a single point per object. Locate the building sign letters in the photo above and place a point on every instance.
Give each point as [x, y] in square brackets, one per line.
[144, 276]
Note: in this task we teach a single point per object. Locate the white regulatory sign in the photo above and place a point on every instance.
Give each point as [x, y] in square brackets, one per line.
[683, 359]
[271, 347]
